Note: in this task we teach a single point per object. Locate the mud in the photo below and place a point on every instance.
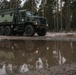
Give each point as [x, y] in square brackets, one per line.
[67, 69]
[63, 49]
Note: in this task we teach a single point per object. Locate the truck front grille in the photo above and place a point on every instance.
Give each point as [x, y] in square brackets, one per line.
[43, 21]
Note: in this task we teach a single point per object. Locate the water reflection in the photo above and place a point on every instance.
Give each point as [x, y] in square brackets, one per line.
[21, 56]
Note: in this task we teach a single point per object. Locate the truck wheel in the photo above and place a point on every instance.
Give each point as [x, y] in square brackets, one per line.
[29, 45]
[7, 43]
[1, 30]
[7, 30]
[29, 30]
[41, 32]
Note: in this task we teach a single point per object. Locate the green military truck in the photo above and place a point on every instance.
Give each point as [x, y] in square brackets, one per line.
[21, 22]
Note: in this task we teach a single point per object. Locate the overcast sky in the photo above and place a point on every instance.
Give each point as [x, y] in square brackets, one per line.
[23, 1]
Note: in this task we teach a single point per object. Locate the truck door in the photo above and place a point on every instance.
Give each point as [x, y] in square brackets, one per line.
[22, 16]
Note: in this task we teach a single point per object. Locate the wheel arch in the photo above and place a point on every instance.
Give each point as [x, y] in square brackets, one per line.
[29, 23]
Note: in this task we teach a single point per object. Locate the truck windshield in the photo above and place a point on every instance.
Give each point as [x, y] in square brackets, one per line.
[28, 13]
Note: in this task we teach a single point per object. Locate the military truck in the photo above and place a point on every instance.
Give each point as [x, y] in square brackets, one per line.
[13, 22]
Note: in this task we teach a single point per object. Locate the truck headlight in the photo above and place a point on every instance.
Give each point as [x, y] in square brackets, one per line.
[36, 23]
[47, 25]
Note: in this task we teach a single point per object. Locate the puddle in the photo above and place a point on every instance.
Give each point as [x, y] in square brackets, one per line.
[19, 56]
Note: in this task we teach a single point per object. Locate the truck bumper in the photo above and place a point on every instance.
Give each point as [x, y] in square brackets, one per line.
[42, 27]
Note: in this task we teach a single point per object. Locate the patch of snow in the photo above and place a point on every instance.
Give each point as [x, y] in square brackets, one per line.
[39, 64]
[53, 34]
[9, 68]
[24, 68]
[4, 69]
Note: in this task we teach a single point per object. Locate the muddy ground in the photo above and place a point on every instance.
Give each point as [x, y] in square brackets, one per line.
[66, 69]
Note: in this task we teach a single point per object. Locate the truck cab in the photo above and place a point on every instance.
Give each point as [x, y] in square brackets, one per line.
[33, 23]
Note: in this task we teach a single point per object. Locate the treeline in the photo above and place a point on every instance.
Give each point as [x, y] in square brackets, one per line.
[61, 14]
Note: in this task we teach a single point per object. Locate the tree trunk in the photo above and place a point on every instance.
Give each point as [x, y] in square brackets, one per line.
[61, 15]
[68, 15]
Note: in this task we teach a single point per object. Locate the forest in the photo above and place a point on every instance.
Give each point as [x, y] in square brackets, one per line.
[60, 14]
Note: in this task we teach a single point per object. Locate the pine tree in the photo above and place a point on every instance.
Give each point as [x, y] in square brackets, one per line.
[9, 4]
[4, 4]
[67, 14]
[73, 10]
[29, 5]
[49, 13]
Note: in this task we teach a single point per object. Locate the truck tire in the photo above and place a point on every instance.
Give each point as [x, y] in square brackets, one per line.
[1, 30]
[29, 45]
[7, 43]
[29, 30]
[41, 32]
[7, 30]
